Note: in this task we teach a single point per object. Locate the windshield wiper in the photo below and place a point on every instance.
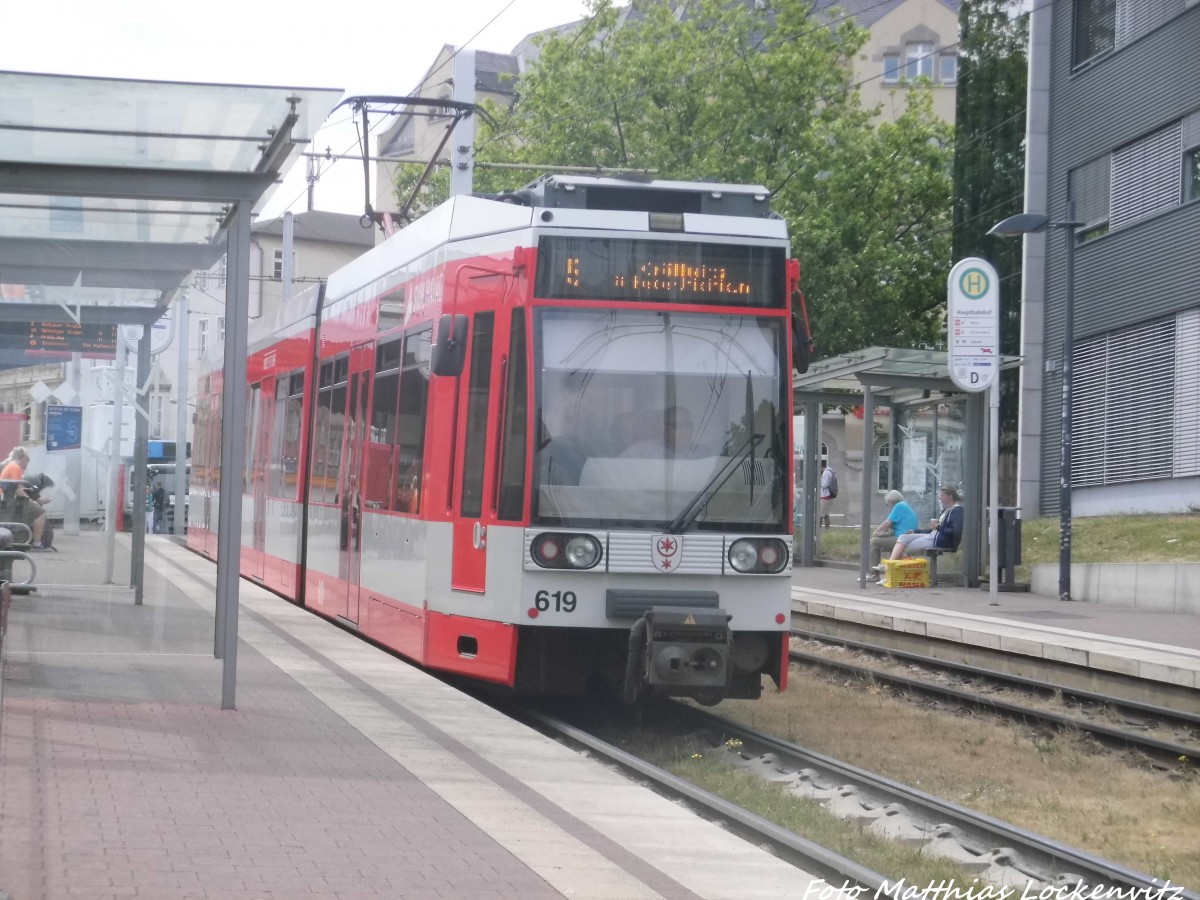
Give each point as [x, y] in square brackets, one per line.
[691, 511]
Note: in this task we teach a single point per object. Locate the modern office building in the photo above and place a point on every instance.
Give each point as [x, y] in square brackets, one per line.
[1114, 131]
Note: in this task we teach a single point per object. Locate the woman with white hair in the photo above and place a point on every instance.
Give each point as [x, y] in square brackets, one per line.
[901, 519]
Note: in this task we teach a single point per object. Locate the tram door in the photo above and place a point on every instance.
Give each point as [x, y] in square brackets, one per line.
[471, 513]
[261, 413]
[350, 493]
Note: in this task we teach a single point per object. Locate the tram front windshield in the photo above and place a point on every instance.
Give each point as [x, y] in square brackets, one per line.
[660, 420]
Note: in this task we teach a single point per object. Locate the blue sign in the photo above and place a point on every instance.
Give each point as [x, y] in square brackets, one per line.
[64, 427]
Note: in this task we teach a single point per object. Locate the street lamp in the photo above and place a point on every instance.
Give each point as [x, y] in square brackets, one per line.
[1031, 223]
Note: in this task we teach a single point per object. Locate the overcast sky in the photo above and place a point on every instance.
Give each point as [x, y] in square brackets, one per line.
[360, 46]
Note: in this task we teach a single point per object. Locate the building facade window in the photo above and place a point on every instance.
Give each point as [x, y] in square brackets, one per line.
[1089, 187]
[948, 68]
[1191, 175]
[918, 60]
[891, 68]
[1095, 29]
[201, 336]
[1125, 389]
[883, 467]
[1146, 176]
[1102, 26]
[277, 270]
[220, 329]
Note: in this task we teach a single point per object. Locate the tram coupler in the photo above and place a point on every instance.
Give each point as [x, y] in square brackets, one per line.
[680, 652]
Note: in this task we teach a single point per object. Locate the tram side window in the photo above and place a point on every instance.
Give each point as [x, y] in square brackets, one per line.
[381, 436]
[477, 414]
[512, 463]
[285, 440]
[253, 395]
[411, 420]
[330, 428]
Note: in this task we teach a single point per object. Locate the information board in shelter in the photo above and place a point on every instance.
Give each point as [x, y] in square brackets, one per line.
[89, 339]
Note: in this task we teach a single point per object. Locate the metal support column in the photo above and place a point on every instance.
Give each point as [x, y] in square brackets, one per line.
[233, 448]
[812, 481]
[462, 142]
[141, 432]
[182, 391]
[864, 541]
[116, 490]
[974, 486]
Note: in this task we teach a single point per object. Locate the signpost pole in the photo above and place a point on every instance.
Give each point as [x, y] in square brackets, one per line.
[973, 345]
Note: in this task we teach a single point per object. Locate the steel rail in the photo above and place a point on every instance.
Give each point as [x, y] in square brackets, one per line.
[801, 852]
[1177, 716]
[1055, 856]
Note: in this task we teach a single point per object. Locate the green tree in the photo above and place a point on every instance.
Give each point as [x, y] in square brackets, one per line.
[729, 92]
[989, 172]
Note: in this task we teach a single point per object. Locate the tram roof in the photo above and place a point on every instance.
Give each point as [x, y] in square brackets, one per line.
[114, 191]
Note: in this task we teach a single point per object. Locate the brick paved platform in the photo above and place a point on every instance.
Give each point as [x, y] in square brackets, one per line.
[342, 773]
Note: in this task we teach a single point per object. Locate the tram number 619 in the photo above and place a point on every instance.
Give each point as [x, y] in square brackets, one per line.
[561, 601]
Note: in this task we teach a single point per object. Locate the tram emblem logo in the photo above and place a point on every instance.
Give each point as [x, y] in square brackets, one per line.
[666, 550]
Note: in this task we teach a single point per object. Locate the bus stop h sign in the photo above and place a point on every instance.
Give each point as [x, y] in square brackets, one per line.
[973, 324]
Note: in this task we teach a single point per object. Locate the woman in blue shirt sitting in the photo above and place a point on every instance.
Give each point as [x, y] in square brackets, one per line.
[901, 519]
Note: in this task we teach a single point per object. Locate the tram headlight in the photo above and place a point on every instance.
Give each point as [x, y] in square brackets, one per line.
[583, 551]
[743, 555]
[760, 556]
[556, 550]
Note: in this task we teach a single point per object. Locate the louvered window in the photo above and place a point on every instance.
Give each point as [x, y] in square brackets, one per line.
[1125, 425]
[1102, 26]
[1137, 17]
[1145, 176]
[1186, 452]
[1089, 191]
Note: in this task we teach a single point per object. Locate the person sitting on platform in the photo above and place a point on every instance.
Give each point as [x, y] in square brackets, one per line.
[900, 520]
[946, 530]
[13, 470]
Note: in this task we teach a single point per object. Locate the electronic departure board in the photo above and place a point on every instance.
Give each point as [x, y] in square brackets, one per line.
[60, 337]
[672, 271]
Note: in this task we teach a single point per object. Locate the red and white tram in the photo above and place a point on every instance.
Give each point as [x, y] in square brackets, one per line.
[541, 439]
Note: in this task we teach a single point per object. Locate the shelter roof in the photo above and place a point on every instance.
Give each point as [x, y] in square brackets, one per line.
[113, 191]
[885, 369]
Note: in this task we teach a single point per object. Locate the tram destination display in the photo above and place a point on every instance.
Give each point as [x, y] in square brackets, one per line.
[591, 268]
[89, 339]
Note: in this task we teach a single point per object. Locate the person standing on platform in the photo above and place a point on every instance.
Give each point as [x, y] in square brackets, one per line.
[901, 519]
[159, 497]
[829, 490]
[149, 510]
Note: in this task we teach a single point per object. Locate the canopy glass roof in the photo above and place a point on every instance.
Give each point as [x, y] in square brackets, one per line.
[883, 368]
[114, 191]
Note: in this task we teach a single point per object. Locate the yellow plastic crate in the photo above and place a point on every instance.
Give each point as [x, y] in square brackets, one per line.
[906, 573]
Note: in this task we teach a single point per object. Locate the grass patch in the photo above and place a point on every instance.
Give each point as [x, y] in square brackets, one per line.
[1057, 784]
[804, 817]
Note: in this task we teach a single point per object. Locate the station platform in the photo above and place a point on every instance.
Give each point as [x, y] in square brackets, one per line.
[343, 772]
[1139, 654]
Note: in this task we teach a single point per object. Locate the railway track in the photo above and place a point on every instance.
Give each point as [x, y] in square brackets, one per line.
[819, 861]
[1183, 747]
[987, 849]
